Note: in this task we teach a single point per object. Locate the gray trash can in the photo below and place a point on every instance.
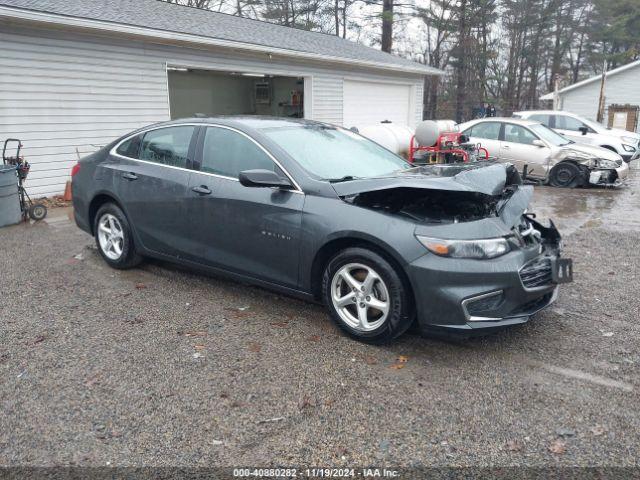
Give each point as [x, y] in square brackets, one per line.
[9, 202]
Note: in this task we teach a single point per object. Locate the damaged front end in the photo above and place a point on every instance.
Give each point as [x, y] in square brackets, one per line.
[595, 167]
[486, 262]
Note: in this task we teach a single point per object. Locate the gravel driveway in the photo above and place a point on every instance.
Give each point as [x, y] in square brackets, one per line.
[158, 366]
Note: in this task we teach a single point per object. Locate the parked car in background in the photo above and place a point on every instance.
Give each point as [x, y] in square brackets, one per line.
[323, 213]
[582, 130]
[548, 156]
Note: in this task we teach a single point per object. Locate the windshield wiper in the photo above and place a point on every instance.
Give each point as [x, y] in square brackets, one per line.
[346, 178]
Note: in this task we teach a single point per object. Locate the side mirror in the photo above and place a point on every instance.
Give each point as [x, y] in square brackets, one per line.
[584, 130]
[538, 143]
[263, 178]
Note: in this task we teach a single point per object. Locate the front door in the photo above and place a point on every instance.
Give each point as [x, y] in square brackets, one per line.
[517, 147]
[248, 230]
[569, 127]
[154, 187]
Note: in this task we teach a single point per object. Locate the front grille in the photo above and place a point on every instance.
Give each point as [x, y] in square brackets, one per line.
[536, 273]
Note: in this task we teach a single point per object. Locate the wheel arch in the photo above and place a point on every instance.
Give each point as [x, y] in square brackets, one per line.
[98, 201]
[584, 170]
[352, 240]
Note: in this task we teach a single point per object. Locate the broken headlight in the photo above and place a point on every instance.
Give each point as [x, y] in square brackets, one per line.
[486, 248]
[602, 163]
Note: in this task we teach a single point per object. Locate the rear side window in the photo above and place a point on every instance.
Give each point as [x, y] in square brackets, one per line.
[543, 119]
[130, 148]
[167, 146]
[487, 130]
[226, 152]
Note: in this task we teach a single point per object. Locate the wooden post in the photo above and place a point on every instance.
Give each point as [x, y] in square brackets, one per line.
[600, 116]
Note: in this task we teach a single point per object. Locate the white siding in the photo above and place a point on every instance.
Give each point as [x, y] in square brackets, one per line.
[65, 93]
[418, 91]
[65, 98]
[621, 88]
[327, 99]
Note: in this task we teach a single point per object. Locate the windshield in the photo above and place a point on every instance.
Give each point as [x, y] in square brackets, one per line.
[333, 153]
[549, 136]
[595, 125]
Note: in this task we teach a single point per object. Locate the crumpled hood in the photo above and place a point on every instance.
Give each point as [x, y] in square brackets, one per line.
[495, 182]
[586, 152]
[490, 180]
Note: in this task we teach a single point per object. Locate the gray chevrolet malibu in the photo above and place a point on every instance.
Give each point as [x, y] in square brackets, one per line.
[320, 212]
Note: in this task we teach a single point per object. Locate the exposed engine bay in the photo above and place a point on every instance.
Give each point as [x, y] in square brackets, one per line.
[430, 206]
[444, 194]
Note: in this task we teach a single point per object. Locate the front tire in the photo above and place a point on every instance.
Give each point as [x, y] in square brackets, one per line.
[114, 238]
[366, 296]
[565, 175]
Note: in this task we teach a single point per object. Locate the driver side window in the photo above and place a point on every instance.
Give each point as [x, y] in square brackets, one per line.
[518, 134]
[227, 153]
[568, 123]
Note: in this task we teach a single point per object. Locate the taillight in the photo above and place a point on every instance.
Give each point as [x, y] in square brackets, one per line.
[75, 169]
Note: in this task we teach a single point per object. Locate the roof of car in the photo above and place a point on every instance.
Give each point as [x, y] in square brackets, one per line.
[201, 24]
[544, 112]
[252, 121]
[516, 121]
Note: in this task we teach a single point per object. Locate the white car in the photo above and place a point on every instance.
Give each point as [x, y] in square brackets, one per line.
[582, 130]
[547, 155]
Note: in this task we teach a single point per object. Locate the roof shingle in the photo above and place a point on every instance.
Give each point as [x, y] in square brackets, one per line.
[159, 15]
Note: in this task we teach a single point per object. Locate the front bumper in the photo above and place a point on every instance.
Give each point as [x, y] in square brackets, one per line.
[609, 178]
[466, 297]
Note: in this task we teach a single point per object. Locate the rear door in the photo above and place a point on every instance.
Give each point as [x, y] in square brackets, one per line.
[488, 135]
[517, 147]
[248, 230]
[153, 186]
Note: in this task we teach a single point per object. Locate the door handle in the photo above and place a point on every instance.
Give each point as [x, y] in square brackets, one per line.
[506, 147]
[202, 190]
[129, 176]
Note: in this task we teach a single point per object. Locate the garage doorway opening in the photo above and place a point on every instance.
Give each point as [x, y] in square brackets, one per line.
[204, 92]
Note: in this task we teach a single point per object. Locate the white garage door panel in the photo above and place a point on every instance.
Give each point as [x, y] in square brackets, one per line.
[368, 102]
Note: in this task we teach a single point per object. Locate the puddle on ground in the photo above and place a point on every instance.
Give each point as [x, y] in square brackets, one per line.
[612, 208]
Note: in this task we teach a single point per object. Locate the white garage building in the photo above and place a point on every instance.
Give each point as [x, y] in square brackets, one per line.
[621, 97]
[76, 74]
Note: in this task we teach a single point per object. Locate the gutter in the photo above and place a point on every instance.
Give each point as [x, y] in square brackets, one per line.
[50, 19]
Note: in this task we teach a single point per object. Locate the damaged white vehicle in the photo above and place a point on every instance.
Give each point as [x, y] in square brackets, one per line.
[542, 154]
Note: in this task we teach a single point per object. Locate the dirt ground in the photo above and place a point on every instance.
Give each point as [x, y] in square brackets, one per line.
[158, 366]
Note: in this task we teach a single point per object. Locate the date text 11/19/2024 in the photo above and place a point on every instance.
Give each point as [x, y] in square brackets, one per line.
[316, 472]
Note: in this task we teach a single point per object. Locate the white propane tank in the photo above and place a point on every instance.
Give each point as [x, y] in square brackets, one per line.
[427, 132]
[391, 136]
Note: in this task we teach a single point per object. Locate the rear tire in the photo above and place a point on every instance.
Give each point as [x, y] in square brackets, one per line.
[366, 296]
[565, 175]
[114, 238]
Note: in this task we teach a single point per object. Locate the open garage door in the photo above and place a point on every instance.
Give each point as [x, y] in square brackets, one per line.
[366, 103]
[210, 93]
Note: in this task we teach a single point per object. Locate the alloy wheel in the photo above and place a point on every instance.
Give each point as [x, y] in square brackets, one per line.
[110, 236]
[360, 297]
